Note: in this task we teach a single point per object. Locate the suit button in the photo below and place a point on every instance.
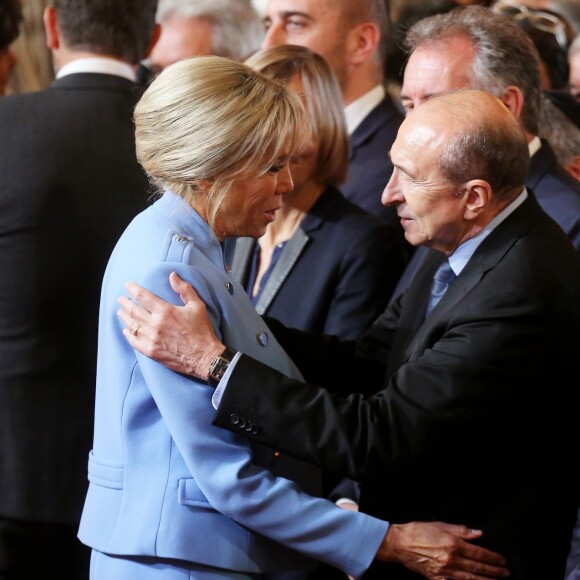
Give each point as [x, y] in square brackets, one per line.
[234, 419]
[229, 287]
[255, 429]
[262, 338]
[242, 423]
[249, 426]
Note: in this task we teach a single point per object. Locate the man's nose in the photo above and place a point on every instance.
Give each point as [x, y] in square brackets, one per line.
[391, 193]
[275, 36]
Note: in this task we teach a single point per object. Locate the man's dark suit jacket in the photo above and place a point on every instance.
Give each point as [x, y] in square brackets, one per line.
[69, 184]
[335, 274]
[475, 419]
[370, 166]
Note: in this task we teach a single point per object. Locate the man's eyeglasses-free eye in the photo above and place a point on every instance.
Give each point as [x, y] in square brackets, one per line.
[539, 19]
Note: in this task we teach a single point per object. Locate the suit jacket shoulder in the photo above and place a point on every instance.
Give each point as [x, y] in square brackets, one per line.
[557, 192]
[369, 166]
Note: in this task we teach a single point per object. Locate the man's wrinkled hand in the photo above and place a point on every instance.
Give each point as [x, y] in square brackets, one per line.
[439, 551]
[179, 337]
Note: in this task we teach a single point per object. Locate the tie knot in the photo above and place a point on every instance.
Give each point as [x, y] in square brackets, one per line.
[441, 280]
[444, 274]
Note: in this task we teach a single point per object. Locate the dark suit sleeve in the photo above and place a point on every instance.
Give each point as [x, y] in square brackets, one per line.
[315, 436]
[453, 387]
[329, 362]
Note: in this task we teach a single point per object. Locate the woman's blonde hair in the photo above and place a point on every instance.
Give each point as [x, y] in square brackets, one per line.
[323, 102]
[206, 120]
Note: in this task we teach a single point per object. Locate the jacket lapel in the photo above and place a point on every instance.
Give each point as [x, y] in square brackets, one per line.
[487, 256]
[244, 249]
[286, 261]
[372, 123]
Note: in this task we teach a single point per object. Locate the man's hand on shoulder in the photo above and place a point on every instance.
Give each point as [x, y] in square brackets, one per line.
[179, 337]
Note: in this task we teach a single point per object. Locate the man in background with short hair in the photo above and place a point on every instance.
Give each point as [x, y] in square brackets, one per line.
[69, 185]
[229, 28]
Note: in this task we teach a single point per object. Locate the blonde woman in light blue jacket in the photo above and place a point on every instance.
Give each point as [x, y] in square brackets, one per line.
[170, 495]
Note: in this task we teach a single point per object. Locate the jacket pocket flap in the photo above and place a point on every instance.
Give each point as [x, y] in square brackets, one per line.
[104, 473]
[190, 494]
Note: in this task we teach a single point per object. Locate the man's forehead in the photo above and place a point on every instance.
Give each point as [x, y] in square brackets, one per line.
[309, 8]
[436, 69]
[426, 126]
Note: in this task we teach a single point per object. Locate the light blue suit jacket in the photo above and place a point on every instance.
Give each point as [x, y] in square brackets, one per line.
[165, 482]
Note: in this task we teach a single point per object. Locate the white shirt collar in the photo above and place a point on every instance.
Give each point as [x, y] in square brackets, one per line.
[359, 109]
[100, 65]
[534, 145]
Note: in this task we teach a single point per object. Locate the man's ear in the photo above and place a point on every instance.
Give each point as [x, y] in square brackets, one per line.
[477, 193]
[513, 99]
[154, 38]
[362, 42]
[51, 28]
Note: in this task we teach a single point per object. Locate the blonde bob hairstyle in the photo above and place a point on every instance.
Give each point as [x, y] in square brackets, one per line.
[205, 120]
[323, 101]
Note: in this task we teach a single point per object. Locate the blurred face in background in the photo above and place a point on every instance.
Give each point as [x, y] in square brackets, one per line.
[181, 38]
[315, 24]
[437, 68]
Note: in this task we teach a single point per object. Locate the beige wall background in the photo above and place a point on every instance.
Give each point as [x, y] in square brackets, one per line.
[260, 5]
[34, 70]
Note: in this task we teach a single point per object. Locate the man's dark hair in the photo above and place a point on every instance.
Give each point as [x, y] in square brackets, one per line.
[10, 19]
[118, 28]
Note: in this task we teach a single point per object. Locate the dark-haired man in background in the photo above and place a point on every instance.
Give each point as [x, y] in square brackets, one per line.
[69, 185]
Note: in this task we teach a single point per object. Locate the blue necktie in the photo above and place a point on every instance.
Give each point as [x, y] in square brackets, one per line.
[441, 280]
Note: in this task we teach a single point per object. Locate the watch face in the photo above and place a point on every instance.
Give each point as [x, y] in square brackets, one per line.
[220, 365]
